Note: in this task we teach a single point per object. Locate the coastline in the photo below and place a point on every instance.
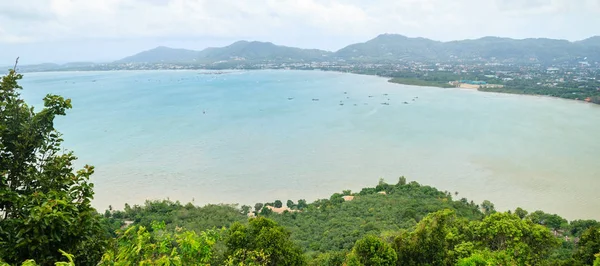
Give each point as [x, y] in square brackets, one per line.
[497, 92]
[389, 79]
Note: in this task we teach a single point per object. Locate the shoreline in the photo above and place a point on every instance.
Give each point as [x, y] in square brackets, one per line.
[389, 79]
[496, 92]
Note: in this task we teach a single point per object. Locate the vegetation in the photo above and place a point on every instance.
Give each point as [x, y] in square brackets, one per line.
[46, 218]
[420, 82]
[44, 205]
[138, 246]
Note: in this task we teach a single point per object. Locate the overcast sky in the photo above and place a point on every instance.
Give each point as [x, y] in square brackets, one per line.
[104, 30]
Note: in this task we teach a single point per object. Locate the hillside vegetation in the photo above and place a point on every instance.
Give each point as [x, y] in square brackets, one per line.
[386, 48]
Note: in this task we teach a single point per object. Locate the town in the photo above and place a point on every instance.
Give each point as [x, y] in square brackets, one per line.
[574, 79]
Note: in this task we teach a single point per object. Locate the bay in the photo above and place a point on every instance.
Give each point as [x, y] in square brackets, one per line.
[256, 136]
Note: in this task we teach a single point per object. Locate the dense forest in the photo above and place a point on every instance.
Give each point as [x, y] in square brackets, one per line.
[46, 218]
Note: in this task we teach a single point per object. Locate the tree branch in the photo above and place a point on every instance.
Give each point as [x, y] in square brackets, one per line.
[16, 62]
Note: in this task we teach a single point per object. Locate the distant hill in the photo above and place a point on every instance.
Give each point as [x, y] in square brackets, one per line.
[252, 51]
[386, 47]
[238, 51]
[399, 47]
[393, 47]
[162, 54]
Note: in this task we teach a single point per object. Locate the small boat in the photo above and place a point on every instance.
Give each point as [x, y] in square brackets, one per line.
[290, 98]
[405, 102]
[315, 100]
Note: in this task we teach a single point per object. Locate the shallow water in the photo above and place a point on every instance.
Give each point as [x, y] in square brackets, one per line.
[236, 137]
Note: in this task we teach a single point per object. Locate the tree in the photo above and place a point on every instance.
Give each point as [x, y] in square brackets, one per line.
[577, 227]
[521, 213]
[302, 204]
[44, 205]
[588, 246]
[552, 221]
[529, 243]
[372, 251]
[246, 209]
[262, 236]
[278, 204]
[487, 207]
[257, 207]
[290, 204]
[332, 258]
[138, 246]
[433, 241]
[401, 181]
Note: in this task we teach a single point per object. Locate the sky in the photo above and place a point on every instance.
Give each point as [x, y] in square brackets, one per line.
[62, 31]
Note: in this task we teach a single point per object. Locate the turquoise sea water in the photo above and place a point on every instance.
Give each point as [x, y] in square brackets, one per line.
[255, 136]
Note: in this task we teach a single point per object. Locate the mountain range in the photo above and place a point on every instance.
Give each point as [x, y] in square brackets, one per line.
[386, 47]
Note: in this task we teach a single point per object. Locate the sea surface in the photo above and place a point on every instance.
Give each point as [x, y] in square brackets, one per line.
[256, 136]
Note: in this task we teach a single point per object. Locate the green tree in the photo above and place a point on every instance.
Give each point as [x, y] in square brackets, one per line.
[372, 251]
[44, 204]
[257, 207]
[588, 246]
[552, 221]
[521, 213]
[529, 243]
[290, 204]
[302, 204]
[433, 241]
[245, 209]
[262, 236]
[577, 227]
[137, 246]
[401, 181]
[487, 207]
[332, 258]
[278, 204]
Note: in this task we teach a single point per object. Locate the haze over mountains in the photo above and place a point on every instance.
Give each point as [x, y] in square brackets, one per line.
[387, 48]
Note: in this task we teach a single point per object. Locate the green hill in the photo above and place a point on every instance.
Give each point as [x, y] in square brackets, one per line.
[392, 47]
[162, 54]
[238, 51]
[260, 51]
[386, 48]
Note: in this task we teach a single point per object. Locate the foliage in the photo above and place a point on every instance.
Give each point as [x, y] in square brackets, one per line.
[588, 246]
[44, 205]
[530, 243]
[521, 213]
[333, 225]
[552, 221]
[264, 237]
[371, 250]
[138, 246]
[70, 262]
[332, 258]
[278, 204]
[174, 214]
[434, 240]
[421, 82]
[577, 227]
